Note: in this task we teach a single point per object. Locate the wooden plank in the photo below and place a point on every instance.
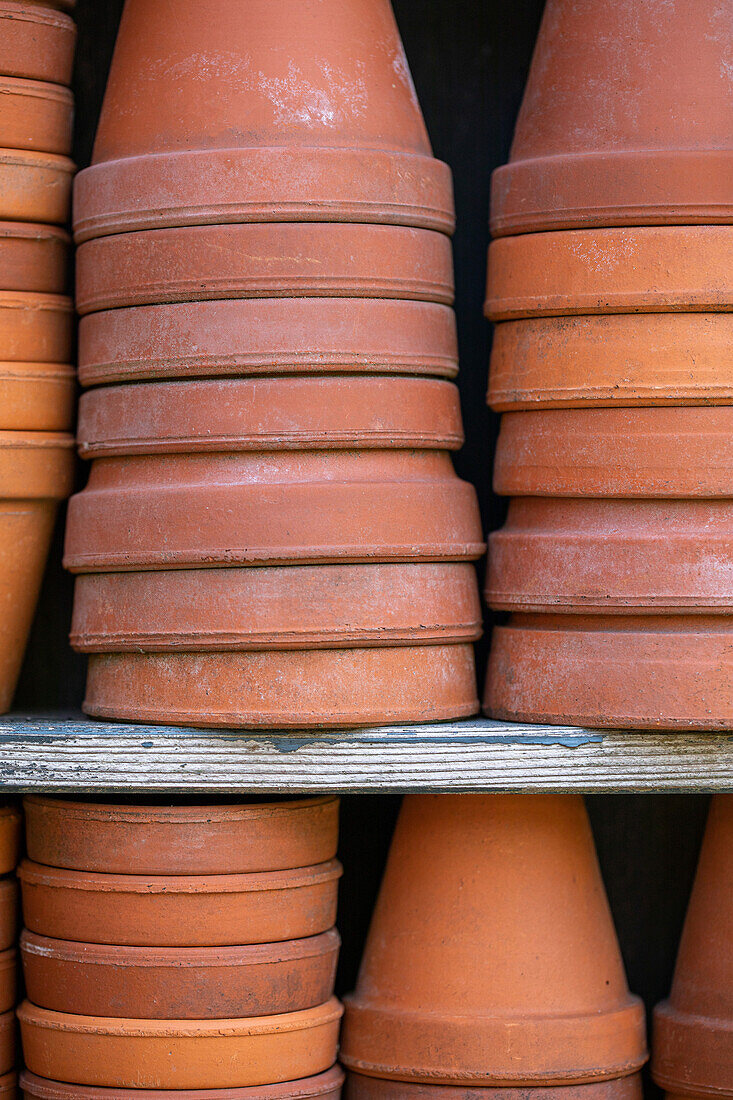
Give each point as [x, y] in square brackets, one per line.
[72, 753]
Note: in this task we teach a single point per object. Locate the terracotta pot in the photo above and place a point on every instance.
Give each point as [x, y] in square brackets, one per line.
[306, 112]
[324, 1086]
[11, 828]
[35, 42]
[263, 261]
[268, 336]
[181, 840]
[35, 328]
[33, 257]
[359, 1087]
[656, 452]
[693, 1030]
[8, 979]
[8, 1035]
[35, 115]
[9, 908]
[9, 1086]
[37, 396]
[646, 359]
[271, 507]
[600, 138]
[630, 672]
[612, 556]
[179, 911]
[36, 471]
[435, 1002]
[654, 269]
[298, 607]
[179, 1054]
[172, 983]
[257, 414]
[323, 688]
[35, 187]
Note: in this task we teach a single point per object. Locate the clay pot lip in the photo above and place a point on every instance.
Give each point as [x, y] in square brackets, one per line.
[126, 956]
[8, 1081]
[286, 1022]
[36, 89]
[22, 371]
[16, 440]
[687, 1049]
[8, 958]
[174, 815]
[322, 1084]
[58, 878]
[22, 299]
[34, 231]
[596, 1090]
[33, 11]
[29, 159]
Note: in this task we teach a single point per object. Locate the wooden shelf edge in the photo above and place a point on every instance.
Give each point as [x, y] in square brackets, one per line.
[65, 753]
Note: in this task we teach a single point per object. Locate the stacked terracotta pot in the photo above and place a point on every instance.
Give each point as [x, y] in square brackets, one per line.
[692, 1055]
[180, 948]
[491, 965]
[610, 282]
[273, 533]
[36, 315]
[10, 835]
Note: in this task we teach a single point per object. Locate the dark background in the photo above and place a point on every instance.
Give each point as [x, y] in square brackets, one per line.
[469, 59]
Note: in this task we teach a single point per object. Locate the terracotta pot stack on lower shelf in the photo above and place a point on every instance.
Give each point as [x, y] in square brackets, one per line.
[180, 948]
[273, 534]
[491, 965]
[36, 314]
[610, 282]
[10, 836]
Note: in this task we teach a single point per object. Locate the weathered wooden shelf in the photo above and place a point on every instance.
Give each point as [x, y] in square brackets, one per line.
[73, 753]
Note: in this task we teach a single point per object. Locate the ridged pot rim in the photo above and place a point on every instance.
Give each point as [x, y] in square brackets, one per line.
[175, 815]
[35, 11]
[36, 89]
[27, 158]
[8, 958]
[628, 1087]
[322, 1084]
[24, 299]
[32, 231]
[692, 1053]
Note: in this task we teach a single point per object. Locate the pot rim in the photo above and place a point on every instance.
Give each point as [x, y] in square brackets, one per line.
[29, 159]
[37, 89]
[174, 815]
[319, 1085]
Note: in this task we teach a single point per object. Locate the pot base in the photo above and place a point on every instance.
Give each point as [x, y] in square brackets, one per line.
[359, 1087]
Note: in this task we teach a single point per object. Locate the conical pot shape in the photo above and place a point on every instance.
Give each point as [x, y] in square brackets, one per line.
[9, 910]
[693, 1046]
[202, 262]
[36, 43]
[173, 983]
[35, 187]
[8, 1033]
[179, 910]
[624, 359]
[324, 1086]
[11, 827]
[296, 607]
[601, 138]
[303, 110]
[656, 452]
[320, 688]
[181, 840]
[36, 396]
[630, 672]
[435, 1002]
[359, 1087]
[271, 507]
[612, 556]
[35, 328]
[33, 258]
[270, 413]
[267, 336]
[8, 979]
[180, 1054]
[35, 115]
[653, 269]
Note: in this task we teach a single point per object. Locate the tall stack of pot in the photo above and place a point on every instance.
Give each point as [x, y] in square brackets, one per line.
[10, 835]
[610, 282]
[180, 948]
[36, 315]
[273, 533]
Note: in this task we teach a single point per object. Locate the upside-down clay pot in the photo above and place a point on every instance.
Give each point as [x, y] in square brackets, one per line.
[630, 672]
[652, 269]
[268, 336]
[624, 359]
[297, 607]
[35, 115]
[8, 979]
[8, 1031]
[9, 909]
[693, 1030]
[179, 910]
[437, 1003]
[172, 983]
[181, 840]
[359, 1087]
[37, 397]
[11, 825]
[303, 112]
[612, 556]
[35, 328]
[33, 258]
[323, 1086]
[35, 187]
[263, 261]
[311, 688]
[36, 43]
[179, 1054]
[601, 139]
[271, 507]
[654, 452]
[36, 472]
